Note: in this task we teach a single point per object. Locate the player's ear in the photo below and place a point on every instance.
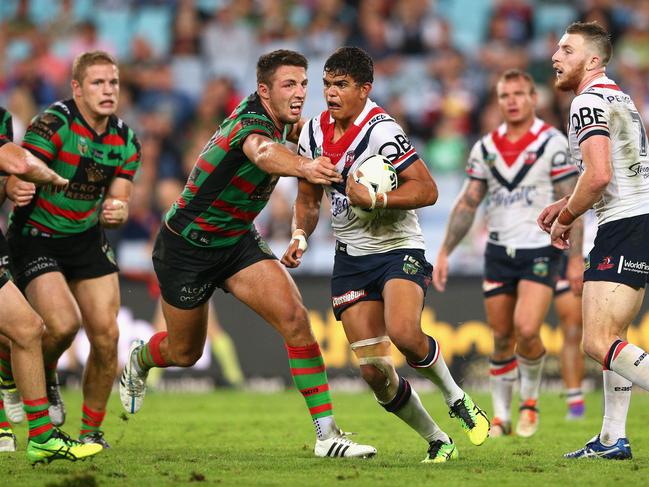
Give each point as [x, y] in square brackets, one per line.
[366, 88]
[263, 90]
[76, 88]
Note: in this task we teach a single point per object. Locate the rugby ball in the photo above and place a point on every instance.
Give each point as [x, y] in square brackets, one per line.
[376, 174]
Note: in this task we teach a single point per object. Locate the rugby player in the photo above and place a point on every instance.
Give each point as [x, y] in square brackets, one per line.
[520, 168]
[59, 252]
[609, 143]
[380, 274]
[208, 240]
[23, 327]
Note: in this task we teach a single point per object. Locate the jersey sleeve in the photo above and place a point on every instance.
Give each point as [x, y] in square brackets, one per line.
[306, 146]
[6, 125]
[250, 123]
[476, 167]
[589, 115]
[43, 137]
[388, 139]
[562, 165]
[132, 160]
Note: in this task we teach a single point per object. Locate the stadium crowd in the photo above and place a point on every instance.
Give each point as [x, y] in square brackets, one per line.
[185, 64]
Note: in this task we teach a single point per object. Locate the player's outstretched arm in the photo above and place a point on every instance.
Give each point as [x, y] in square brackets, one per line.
[459, 223]
[305, 218]
[16, 160]
[276, 159]
[114, 209]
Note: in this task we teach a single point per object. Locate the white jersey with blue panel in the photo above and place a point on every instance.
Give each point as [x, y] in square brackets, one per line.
[602, 108]
[373, 132]
[520, 177]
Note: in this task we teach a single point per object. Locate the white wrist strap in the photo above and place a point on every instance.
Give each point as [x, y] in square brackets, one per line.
[301, 240]
[385, 200]
[372, 196]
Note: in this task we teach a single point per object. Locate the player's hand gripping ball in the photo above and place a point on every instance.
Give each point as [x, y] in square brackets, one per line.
[378, 176]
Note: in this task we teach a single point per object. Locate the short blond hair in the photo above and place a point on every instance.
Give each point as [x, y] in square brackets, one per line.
[512, 74]
[84, 60]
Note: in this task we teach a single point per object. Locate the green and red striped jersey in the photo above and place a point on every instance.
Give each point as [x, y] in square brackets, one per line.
[62, 139]
[6, 126]
[225, 190]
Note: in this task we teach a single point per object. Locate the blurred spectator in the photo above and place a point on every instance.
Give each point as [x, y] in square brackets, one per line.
[86, 39]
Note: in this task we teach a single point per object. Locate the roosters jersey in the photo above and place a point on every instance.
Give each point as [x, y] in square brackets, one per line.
[603, 109]
[520, 177]
[373, 132]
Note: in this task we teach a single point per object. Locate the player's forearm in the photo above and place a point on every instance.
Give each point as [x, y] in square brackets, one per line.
[577, 239]
[278, 160]
[587, 192]
[458, 226]
[410, 195]
[13, 159]
[3, 191]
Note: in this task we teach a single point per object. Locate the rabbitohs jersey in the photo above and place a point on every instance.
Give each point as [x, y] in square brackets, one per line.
[520, 177]
[603, 109]
[373, 132]
[225, 190]
[63, 140]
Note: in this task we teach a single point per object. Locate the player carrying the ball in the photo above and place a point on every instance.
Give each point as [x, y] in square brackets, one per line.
[380, 272]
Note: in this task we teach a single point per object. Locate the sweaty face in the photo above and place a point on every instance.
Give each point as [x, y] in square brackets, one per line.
[515, 100]
[345, 97]
[287, 93]
[569, 62]
[99, 90]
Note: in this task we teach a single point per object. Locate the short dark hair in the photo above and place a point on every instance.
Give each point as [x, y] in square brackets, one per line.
[595, 34]
[84, 60]
[268, 63]
[512, 74]
[352, 61]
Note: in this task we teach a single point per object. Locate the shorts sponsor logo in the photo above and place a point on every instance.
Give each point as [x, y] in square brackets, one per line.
[348, 297]
[540, 269]
[640, 359]
[488, 285]
[4, 260]
[639, 266]
[108, 252]
[191, 292]
[40, 264]
[605, 264]
[410, 265]
[263, 246]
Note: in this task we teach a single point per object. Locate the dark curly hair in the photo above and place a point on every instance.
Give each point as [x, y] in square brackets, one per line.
[352, 61]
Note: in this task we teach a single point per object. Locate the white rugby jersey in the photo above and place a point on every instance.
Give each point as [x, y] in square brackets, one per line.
[373, 132]
[520, 177]
[603, 109]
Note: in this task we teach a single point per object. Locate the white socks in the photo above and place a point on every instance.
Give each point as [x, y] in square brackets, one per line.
[502, 377]
[617, 396]
[531, 373]
[434, 368]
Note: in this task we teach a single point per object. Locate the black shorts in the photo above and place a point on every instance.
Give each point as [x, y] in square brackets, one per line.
[4, 256]
[83, 256]
[505, 267]
[621, 252]
[563, 284]
[362, 278]
[189, 274]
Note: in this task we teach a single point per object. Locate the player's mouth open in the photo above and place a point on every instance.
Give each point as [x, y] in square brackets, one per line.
[107, 103]
[333, 106]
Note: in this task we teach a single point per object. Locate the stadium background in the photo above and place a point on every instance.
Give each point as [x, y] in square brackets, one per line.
[184, 64]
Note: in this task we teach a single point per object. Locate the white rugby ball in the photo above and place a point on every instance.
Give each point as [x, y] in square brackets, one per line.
[377, 174]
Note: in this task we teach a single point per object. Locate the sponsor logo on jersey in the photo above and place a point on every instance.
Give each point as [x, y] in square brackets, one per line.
[504, 197]
[82, 146]
[94, 173]
[638, 169]
[349, 159]
[348, 297]
[605, 264]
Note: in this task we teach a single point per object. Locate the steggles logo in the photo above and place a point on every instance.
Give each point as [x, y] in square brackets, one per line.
[94, 173]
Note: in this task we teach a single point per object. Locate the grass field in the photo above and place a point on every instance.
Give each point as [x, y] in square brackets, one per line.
[230, 438]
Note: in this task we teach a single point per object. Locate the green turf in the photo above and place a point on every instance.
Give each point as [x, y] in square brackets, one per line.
[244, 439]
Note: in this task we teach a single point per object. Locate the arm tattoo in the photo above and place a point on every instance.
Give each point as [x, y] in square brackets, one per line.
[463, 213]
[564, 187]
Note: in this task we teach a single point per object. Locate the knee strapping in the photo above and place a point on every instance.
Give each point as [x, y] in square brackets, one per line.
[376, 352]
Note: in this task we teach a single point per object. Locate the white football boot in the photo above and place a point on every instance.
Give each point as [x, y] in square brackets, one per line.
[13, 405]
[132, 383]
[338, 445]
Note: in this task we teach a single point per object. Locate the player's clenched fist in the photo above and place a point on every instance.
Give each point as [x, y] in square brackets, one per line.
[114, 212]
